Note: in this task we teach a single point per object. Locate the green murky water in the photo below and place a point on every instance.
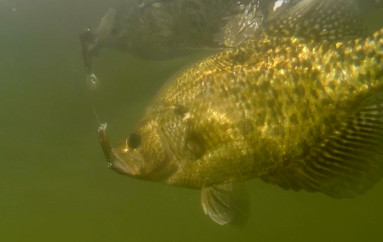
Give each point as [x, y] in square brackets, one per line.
[54, 183]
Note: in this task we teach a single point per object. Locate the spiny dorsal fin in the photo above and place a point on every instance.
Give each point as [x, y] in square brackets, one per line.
[318, 20]
[347, 163]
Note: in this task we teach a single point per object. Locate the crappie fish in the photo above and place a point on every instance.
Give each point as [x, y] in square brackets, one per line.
[300, 106]
[162, 29]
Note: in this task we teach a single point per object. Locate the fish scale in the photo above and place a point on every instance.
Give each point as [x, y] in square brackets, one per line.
[303, 111]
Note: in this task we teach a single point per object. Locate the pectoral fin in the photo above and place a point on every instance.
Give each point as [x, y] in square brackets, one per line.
[225, 203]
[217, 202]
[347, 162]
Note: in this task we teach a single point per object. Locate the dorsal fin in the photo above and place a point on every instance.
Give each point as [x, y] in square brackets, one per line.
[318, 20]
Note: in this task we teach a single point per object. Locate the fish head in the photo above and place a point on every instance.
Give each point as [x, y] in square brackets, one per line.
[149, 151]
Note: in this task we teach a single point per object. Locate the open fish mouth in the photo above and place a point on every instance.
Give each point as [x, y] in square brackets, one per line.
[114, 160]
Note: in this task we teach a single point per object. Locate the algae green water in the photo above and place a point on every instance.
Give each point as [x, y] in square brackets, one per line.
[54, 182]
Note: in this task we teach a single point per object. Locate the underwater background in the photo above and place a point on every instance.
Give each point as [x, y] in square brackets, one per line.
[54, 180]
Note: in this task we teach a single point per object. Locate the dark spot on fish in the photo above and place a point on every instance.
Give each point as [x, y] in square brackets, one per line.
[331, 85]
[299, 90]
[277, 106]
[246, 127]
[327, 121]
[326, 102]
[277, 131]
[273, 92]
[180, 110]
[306, 114]
[240, 56]
[247, 105]
[293, 119]
[314, 94]
[260, 119]
[134, 141]
[289, 99]
[304, 147]
[235, 91]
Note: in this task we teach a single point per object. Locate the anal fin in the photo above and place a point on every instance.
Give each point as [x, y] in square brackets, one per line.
[347, 163]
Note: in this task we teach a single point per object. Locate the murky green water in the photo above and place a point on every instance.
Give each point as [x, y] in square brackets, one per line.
[54, 183]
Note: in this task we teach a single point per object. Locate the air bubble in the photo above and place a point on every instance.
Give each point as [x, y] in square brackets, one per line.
[92, 81]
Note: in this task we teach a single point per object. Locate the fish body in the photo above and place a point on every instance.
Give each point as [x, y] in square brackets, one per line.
[301, 109]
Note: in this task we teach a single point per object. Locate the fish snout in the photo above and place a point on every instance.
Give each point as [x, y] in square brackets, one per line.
[120, 160]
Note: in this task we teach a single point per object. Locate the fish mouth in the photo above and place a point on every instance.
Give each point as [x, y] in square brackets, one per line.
[114, 160]
[103, 138]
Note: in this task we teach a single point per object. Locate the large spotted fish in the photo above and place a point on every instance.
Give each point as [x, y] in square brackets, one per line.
[299, 105]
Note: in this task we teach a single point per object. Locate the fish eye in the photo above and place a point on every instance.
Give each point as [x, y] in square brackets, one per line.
[134, 140]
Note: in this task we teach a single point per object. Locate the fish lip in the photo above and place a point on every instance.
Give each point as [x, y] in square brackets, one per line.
[129, 167]
[114, 160]
[103, 138]
[108, 152]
